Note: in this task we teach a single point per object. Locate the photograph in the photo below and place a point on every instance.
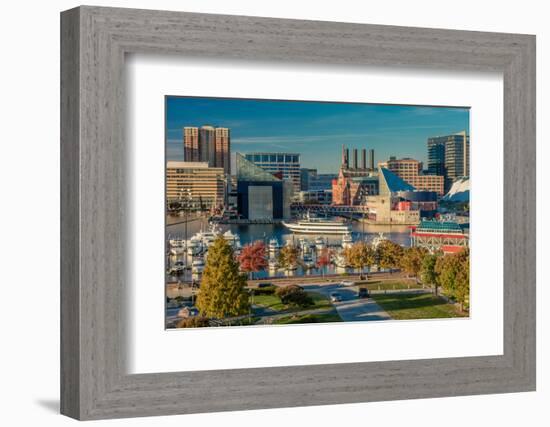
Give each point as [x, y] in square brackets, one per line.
[282, 212]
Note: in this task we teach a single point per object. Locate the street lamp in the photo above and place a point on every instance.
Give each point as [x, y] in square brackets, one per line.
[185, 206]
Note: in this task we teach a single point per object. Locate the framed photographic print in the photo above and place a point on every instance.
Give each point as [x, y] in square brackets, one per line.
[272, 219]
[345, 212]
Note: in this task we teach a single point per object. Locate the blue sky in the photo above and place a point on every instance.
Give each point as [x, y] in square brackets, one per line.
[316, 130]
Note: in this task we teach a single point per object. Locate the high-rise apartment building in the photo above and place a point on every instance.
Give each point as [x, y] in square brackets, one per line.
[285, 164]
[405, 168]
[202, 186]
[223, 149]
[208, 144]
[191, 144]
[449, 156]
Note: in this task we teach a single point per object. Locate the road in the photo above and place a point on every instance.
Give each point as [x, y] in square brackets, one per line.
[351, 308]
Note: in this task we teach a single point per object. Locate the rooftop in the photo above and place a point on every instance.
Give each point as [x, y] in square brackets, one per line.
[186, 165]
[439, 226]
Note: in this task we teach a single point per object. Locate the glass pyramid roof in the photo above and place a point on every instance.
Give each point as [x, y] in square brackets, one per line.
[248, 171]
[391, 183]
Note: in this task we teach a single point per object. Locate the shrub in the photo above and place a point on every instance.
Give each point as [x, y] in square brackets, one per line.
[266, 290]
[294, 295]
[193, 322]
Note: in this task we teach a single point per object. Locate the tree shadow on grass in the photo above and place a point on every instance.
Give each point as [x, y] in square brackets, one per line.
[403, 302]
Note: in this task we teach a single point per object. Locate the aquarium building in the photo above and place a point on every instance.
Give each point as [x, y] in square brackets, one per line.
[261, 195]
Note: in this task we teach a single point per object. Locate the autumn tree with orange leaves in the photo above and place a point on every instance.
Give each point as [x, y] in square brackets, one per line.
[252, 258]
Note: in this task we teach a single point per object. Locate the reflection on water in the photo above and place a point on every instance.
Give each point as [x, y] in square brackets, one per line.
[249, 233]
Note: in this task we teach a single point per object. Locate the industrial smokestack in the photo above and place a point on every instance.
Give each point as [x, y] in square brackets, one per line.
[355, 158]
[343, 155]
[371, 159]
[364, 158]
[347, 159]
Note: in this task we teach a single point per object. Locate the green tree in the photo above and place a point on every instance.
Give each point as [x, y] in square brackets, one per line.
[428, 274]
[222, 290]
[389, 254]
[462, 280]
[411, 260]
[360, 255]
[289, 256]
[453, 274]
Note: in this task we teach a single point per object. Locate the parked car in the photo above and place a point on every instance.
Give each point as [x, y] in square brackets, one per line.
[264, 285]
[363, 293]
[347, 283]
[335, 297]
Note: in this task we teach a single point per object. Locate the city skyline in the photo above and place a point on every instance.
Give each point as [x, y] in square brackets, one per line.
[314, 129]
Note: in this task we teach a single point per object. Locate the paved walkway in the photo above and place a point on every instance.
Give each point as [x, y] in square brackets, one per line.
[351, 308]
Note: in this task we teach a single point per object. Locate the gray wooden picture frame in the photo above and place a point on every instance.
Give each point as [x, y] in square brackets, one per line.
[94, 41]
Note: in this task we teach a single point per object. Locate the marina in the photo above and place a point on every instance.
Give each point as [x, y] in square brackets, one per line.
[186, 256]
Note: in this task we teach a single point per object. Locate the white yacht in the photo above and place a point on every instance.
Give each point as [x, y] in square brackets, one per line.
[176, 241]
[177, 250]
[308, 262]
[305, 245]
[272, 264]
[197, 266]
[378, 239]
[340, 261]
[194, 246]
[310, 225]
[177, 268]
[232, 239]
[320, 243]
[273, 246]
[347, 240]
[208, 236]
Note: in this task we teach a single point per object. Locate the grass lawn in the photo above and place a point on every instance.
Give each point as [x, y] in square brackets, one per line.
[416, 306]
[390, 284]
[309, 318]
[268, 301]
[273, 302]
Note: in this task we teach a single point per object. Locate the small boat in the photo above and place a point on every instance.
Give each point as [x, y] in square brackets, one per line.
[177, 268]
